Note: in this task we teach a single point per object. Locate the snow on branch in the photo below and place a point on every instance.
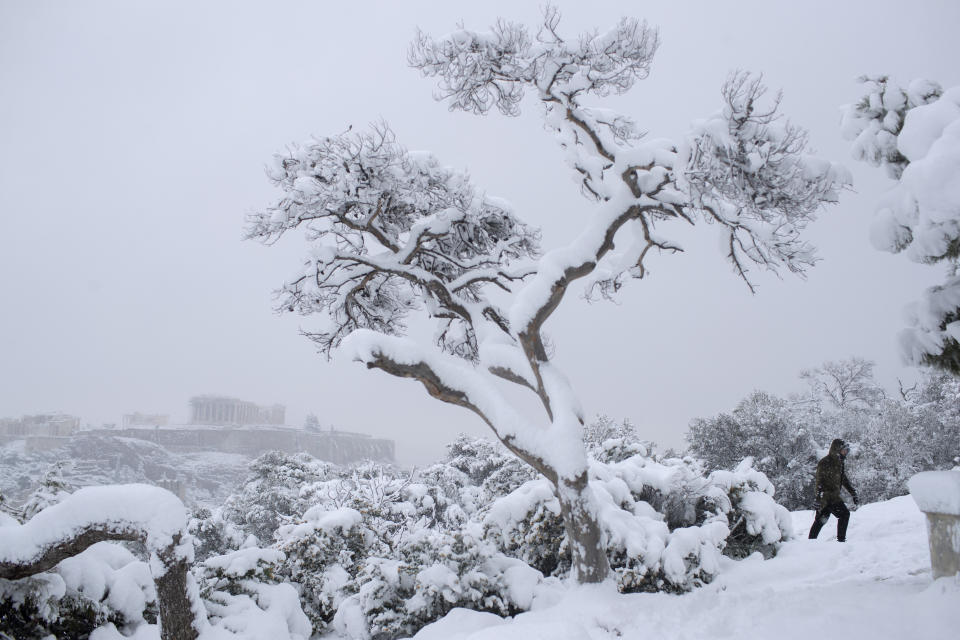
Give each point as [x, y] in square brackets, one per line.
[149, 515]
[914, 133]
[479, 70]
[393, 231]
[452, 381]
[749, 170]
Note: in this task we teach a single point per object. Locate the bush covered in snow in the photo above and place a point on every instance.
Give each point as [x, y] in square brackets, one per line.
[277, 490]
[665, 522]
[378, 553]
[371, 552]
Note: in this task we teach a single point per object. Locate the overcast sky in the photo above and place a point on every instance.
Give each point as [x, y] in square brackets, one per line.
[133, 137]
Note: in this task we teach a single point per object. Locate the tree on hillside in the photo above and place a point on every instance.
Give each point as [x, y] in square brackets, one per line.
[396, 232]
[914, 133]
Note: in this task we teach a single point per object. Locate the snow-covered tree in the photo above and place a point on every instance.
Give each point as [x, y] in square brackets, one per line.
[914, 133]
[844, 383]
[51, 490]
[935, 404]
[396, 233]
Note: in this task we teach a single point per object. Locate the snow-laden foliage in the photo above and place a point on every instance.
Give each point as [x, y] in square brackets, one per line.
[665, 522]
[914, 133]
[272, 492]
[892, 436]
[401, 231]
[242, 591]
[433, 572]
[394, 233]
[380, 553]
[214, 534]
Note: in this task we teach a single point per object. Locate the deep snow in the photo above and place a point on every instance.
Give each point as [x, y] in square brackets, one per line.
[877, 585]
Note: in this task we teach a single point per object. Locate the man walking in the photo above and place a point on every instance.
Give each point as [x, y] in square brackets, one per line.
[831, 478]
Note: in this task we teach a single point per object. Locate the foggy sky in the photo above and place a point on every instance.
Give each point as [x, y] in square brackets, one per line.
[133, 137]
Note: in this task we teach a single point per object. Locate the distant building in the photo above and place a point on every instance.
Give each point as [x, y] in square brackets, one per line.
[223, 411]
[41, 424]
[138, 419]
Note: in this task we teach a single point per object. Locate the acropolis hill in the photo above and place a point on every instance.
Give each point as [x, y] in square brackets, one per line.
[219, 423]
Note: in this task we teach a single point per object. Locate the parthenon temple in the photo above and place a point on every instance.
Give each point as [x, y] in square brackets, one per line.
[223, 411]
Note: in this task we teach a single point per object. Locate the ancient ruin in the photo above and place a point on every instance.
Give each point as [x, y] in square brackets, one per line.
[223, 411]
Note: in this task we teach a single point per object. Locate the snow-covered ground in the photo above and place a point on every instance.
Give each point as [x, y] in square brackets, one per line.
[876, 585]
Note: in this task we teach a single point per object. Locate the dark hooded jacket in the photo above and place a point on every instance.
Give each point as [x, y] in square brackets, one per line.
[831, 476]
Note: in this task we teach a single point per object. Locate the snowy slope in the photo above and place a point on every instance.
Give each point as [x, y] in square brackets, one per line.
[877, 585]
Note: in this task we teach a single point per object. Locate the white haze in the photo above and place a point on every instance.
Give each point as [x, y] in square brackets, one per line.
[132, 143]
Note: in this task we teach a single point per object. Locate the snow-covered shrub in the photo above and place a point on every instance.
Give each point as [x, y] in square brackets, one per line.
[526, 524]
[273, 494]
[433, 572]
[609, 441]
[242, 592]
[756, 521]
[324, 555]
[475, 457]
[665, 521]
[380, 554]
[213, 534]
[488, 465]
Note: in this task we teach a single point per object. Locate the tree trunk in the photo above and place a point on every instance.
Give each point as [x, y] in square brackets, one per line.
[588, 555]
[176, 612]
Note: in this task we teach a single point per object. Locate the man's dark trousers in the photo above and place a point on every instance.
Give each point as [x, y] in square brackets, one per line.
[823, 514]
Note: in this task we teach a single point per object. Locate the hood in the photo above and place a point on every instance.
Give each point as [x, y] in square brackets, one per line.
[836, 446]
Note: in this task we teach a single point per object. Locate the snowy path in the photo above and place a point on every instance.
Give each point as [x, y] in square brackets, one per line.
[875, 586]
